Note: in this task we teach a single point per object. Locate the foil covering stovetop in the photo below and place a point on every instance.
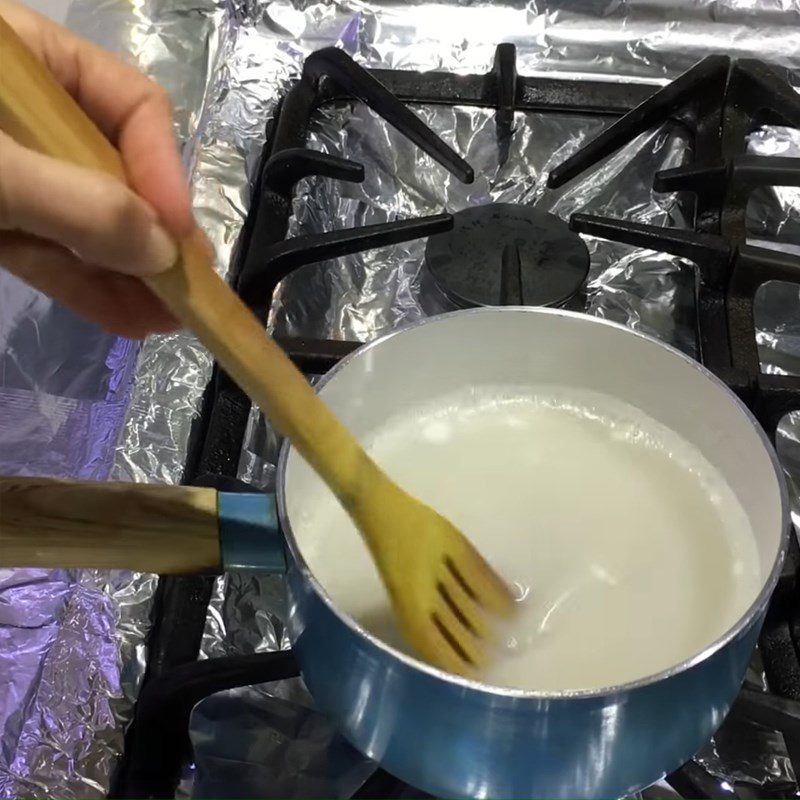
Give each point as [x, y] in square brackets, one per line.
[72, 642]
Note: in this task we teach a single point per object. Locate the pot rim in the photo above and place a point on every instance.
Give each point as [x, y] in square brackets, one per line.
[743, 623]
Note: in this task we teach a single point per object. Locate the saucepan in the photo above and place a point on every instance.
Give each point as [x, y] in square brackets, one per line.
[447, 735]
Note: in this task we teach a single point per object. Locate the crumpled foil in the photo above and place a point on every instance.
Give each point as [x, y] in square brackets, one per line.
[226, 63]
[71, 657]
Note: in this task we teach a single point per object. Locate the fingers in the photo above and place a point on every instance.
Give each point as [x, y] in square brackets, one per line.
[120, 304]
[152, 163]
[136, 115]
[95, 216]
[128, 107]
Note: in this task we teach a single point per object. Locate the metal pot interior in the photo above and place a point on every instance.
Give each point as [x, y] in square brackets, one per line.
[530, 347]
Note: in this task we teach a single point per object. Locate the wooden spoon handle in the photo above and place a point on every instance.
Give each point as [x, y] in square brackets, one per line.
[143, 527]
[40, 114]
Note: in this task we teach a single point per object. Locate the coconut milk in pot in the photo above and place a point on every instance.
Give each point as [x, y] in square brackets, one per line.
[623, 541]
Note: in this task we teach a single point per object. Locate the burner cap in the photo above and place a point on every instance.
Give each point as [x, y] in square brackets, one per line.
[467, 262]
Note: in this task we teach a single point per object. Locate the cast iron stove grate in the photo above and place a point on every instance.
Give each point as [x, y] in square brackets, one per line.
[719, 101]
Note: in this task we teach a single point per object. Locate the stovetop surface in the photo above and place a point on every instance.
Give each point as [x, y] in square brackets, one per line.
[323, 293]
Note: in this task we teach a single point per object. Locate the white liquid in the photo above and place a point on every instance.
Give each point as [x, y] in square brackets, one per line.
[629, 551]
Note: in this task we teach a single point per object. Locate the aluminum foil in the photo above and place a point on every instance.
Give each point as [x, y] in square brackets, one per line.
[226, 62]
[71, 657]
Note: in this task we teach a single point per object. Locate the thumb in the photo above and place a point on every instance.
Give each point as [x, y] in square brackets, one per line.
[102, 221]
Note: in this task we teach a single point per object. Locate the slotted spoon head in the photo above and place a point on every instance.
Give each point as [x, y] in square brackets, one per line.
[447, 599]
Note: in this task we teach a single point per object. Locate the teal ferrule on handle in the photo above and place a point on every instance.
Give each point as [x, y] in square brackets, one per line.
[249, 533]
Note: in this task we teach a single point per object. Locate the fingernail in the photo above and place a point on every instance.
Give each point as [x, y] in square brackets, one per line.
[160, 250]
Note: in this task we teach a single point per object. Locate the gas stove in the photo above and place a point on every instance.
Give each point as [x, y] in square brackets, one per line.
[669, 171]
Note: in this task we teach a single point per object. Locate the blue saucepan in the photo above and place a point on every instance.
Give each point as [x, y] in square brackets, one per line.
[446, 735]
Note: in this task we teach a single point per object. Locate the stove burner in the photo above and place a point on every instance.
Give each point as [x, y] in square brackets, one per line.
[467, 263]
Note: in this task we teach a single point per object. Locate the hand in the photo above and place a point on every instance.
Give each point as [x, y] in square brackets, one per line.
[94, 236]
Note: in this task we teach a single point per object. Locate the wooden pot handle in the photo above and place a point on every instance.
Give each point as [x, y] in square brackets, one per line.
[142, 527]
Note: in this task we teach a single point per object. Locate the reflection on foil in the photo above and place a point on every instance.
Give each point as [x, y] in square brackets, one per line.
[226, 63]
[287, 746]
[247, 614]
[745, 752]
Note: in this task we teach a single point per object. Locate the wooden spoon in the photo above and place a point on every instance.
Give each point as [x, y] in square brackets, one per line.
[440, 586]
